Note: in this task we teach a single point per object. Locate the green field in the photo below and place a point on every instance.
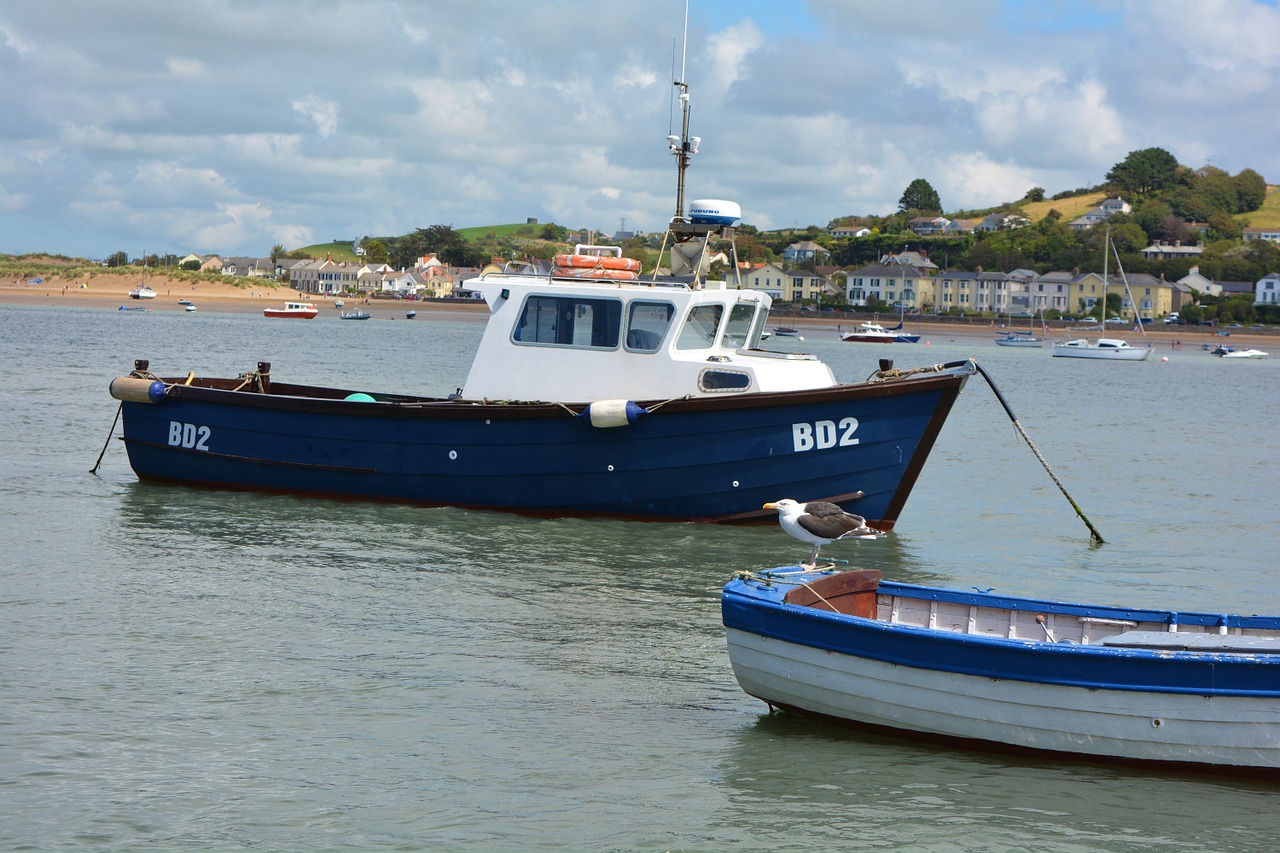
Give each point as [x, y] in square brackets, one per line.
[1267, 216]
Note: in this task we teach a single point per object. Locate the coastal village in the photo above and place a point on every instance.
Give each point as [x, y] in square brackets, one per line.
[908, 281]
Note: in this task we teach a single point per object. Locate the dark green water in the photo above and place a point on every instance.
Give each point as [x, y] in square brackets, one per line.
[185, 669]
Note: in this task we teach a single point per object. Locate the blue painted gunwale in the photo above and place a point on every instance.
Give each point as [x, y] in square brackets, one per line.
[706, 459]
[758, 608]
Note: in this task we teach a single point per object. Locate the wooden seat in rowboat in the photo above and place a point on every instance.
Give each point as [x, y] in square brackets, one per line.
[851, 593]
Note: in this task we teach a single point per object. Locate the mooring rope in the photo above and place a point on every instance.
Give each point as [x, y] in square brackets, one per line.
[110, 432]
[1093, 531]
[893, 374]
[133, 374]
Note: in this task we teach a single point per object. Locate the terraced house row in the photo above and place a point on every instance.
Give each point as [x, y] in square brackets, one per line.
[911, 281]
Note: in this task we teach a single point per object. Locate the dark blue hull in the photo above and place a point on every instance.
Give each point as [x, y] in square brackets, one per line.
[707, 459]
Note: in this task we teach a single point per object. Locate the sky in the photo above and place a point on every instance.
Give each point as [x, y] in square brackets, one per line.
[231, 126]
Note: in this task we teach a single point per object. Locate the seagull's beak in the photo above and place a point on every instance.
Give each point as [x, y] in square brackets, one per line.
[771, 505]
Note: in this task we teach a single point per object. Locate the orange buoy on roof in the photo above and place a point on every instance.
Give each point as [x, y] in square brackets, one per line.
[604, 262]
[594, 272]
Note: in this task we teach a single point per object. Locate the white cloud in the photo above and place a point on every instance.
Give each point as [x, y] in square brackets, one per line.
[728, 52]
[320, 112]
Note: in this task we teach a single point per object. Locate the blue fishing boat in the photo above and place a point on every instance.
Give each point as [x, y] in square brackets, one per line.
[594, 391]
[988, 671]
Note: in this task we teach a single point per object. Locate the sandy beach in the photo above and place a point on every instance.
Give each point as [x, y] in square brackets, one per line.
[108, 291]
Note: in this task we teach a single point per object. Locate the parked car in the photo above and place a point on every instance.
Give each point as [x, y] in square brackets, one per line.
[1116, 321]
[1087, 320]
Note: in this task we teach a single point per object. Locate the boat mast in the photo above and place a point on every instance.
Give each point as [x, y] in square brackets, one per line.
[1142, 327]
[682, 146]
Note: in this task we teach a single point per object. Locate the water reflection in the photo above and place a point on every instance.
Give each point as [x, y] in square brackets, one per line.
[894, 793]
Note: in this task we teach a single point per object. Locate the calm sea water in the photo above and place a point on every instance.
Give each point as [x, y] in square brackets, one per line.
[184, 669]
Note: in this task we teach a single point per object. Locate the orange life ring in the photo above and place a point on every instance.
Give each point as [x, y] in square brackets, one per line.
[593, 272]
[607, 262]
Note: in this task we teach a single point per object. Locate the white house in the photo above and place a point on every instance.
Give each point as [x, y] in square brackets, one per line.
[1201, 284]
[1102, 212]
[1267, 291]
[1269, 234]
[803, 251]
[896, 284]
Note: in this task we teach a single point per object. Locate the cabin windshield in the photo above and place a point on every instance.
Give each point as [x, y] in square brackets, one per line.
[700, 326]
[647, 324]
[737, 332]
[571, 321]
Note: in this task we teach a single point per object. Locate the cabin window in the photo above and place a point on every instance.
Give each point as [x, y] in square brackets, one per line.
[737, 332]
[571, 321]
[647, 325]
[699, 331]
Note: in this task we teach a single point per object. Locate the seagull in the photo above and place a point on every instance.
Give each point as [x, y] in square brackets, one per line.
[820, 523]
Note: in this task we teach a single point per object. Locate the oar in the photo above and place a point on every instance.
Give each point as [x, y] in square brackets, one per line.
[1094, 535]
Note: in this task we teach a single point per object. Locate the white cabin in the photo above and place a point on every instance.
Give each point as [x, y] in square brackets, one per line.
[581, 341]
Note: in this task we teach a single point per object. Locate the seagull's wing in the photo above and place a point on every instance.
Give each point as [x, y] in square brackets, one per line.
[828, 520]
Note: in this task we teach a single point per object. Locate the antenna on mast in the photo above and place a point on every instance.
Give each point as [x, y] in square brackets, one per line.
[683, 146]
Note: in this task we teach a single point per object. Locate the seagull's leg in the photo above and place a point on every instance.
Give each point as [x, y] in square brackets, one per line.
[813, 558]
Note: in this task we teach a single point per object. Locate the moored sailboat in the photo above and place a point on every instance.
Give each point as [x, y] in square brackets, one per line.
[1111, 349]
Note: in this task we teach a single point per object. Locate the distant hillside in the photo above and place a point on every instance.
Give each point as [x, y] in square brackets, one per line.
[476, 234]
[340, 251]
[1268, 216]
[1070, 208]
[481, 232]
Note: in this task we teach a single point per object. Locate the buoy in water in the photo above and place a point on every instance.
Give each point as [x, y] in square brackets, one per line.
[1165, 358]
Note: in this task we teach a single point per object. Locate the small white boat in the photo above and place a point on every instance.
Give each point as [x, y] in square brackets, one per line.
[874, 333]
[189, 307]
[338, 303]
[292, 310]
[356, 315]
[978, 670]
[785, 331]
[1244, 353]
[142, 292]
[1115, 349]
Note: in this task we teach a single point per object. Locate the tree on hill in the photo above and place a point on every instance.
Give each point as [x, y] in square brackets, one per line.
[1144, 171]
[920, 195]
[375, 252]
[1251, 191]
[555, 233]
